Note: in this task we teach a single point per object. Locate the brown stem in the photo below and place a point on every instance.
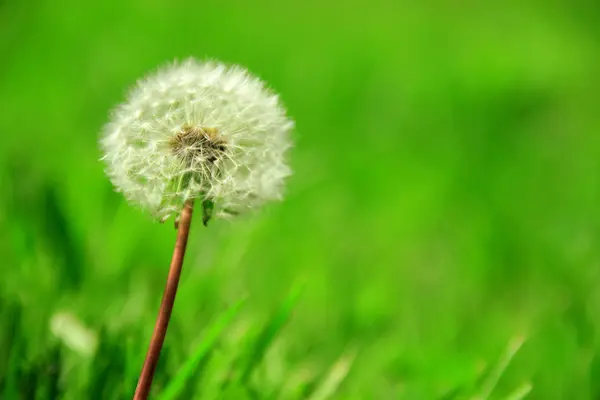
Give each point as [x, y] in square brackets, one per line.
[166, 305]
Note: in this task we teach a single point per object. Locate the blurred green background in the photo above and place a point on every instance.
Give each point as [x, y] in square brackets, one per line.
[445, 201]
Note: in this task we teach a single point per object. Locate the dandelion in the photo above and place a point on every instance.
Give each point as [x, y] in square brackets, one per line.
[195, 131]
[198, 131]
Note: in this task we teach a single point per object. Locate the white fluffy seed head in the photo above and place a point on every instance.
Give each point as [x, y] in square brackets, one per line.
[198, 130]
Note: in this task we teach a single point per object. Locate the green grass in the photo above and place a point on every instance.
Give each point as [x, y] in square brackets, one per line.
[199, 356]
[445, 199]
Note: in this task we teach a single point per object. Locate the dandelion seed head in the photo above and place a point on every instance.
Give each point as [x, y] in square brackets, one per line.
[198, 130]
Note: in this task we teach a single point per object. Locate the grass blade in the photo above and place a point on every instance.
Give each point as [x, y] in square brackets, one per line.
[335, 377]
[520, 392]
[177, 384]
[269, 333]
[490, 383]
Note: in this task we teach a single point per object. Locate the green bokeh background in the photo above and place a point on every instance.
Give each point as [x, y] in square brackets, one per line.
[445, 199]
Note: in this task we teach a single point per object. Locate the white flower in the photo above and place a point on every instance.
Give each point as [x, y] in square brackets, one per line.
[198, 130]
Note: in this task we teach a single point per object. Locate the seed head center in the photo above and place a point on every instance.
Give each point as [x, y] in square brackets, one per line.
[197, 144]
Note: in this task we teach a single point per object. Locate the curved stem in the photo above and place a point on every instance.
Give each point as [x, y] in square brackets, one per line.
[166, 307]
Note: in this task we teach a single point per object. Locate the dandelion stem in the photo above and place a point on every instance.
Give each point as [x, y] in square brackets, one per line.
[166, 307]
